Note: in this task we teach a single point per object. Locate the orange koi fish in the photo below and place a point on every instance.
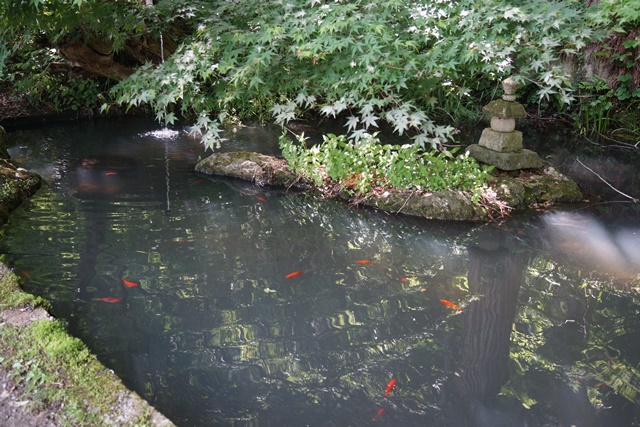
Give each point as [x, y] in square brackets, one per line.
[294, 274]
[403, 279]
[378, 414]
[390, 387]
[450, 304]
[26, 274]
[110, 173]
[129, 283]
[109, 299]
[364, 262]
[262, 199]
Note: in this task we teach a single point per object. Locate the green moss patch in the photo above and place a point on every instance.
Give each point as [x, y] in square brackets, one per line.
[11, 296]
[55, 374]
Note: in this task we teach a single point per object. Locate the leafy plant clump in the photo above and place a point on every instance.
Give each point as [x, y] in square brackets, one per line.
[365, 166]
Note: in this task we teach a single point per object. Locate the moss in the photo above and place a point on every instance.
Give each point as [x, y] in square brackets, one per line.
[11, 296]
[51, 366]
[57, 373]
[16, 185]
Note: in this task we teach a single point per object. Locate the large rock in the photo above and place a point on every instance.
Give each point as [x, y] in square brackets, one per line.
[446, 205]
[545, 186]
[250, 166]
[16, 186]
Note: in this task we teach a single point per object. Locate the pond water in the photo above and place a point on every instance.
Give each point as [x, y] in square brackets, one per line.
[228, 304]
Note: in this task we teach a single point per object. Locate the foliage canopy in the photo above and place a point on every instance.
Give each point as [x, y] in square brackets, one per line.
[408, 63]
[366, 61]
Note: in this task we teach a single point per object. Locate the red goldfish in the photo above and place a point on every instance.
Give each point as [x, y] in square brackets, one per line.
[110, 173]
[294, 274]
[378, 414]
[262, 199]
[364, 262]
[390, 387]
[129, 284]
[403, 279]
[109, 299]
[450, 304]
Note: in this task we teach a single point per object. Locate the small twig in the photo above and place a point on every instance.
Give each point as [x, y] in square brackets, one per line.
[405, 203]
[622, 145]
[603, 180]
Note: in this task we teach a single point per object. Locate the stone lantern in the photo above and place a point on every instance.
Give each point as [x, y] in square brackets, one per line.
[501, 145]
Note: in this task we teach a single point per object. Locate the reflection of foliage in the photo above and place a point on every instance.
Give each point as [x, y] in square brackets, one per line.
[214, 305]
[560, 334]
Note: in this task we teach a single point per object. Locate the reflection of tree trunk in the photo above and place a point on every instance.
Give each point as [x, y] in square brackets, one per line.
[95, 236]
[495, 276]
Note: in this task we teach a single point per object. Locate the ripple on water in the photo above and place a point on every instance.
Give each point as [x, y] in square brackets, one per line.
[164, 133]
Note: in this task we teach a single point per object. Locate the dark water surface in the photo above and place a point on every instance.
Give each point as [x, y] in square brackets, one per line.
[179, 284]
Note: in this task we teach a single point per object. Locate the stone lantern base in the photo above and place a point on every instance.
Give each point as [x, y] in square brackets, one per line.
[525, 159]
[503, 142]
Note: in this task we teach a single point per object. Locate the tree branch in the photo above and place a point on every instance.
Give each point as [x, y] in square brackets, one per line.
[603, 180]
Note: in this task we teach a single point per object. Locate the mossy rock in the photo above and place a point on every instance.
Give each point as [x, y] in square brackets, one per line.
[505, 109]
[531, 188]
[546, 186]
[449, 205]
[16, 185]
[251, 166]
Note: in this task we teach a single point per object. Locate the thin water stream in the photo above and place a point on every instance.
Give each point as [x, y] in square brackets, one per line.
[227, 304]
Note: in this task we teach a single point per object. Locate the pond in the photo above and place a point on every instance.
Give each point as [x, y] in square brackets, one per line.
[228, 304]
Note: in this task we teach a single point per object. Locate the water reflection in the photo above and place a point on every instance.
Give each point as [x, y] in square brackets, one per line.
[216, 334]
[582, 240]
[496, 266]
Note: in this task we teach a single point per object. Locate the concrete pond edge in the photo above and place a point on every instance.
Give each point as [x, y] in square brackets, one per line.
[23, 310]
[527, 189]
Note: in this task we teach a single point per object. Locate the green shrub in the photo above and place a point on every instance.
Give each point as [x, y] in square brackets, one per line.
[363, 166]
